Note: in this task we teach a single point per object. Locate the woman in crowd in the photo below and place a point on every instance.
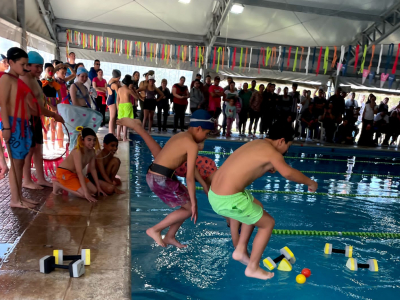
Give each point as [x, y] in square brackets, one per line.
[367, 121]
[163, 106]
[245, 94]
[181, 94]
[100, 85]
[135, 85]
[112, 88]
[150, 101]
[255, 109]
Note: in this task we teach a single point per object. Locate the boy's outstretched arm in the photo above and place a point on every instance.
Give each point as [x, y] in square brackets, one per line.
[192, 150]
[290, 173]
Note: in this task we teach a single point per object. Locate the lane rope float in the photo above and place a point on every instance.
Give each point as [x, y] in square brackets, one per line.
[390, 235]
[351, 174]
[312, 158]
[316, 194]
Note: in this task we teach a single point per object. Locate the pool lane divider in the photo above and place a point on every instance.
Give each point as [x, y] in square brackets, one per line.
[316, 194]
[336, 233]
[351, 174]
[312, 158]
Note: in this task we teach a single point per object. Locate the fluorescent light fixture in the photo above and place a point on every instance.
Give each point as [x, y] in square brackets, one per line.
[237, 8]
[184, 1]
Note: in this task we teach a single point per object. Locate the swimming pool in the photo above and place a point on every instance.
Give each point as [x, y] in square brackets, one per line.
[205, 269]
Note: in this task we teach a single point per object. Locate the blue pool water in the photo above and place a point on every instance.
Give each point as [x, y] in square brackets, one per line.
[205, 269]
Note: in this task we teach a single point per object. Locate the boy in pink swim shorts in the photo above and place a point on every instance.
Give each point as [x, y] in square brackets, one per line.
[160, 177]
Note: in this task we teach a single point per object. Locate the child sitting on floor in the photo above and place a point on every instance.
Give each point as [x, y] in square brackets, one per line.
[160, 176]
[69, 174]
[107, 166]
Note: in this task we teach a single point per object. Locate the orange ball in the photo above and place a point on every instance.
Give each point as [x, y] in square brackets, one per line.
[306, 272]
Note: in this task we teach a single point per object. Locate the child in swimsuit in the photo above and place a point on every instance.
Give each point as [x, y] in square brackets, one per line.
[15, 113]
[229, 198]
[112, 89]
[107, 166]
[69, 174]
[160, 176]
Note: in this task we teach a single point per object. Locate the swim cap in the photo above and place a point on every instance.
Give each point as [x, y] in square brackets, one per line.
[109, 138]
[81, 70]
[203, 119]
[116, 73]
[127, 80]
[87, 131]
[152, 77]
[35, 58]
[16, 53]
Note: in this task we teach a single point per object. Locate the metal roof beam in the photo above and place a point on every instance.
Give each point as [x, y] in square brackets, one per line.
[310, 10]
[48, 17]
[132, 33]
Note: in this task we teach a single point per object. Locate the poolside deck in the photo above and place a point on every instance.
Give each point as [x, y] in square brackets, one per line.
[70, 224]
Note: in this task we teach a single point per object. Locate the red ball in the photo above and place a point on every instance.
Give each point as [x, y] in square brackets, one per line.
[306, 272]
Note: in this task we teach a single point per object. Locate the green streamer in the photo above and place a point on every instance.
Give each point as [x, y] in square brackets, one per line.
[165, 52]
[326, 59]
[363, 59]
[316, 194]
[268, 55]
[241, 56]
[219, 54]
[311, 158]
[295, 60]
[336, 233]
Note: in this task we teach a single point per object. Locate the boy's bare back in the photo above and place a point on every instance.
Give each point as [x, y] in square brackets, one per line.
[174, 153]
[245, 165]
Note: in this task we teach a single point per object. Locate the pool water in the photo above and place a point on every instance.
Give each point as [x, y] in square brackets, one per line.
[206, 270]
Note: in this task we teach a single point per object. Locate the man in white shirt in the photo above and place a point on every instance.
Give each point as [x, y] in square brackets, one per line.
[352, 101]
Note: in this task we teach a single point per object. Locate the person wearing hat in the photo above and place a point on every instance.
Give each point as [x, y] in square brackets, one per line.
[78, 91]
[198, 77]
[161, 180]
[196, 96]
[150, 101]
[4, 63]
[107, 166]
[124, 105]
[112, 90]
[35, 67]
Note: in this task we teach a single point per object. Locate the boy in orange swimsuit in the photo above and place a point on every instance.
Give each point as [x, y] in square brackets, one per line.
[15, 100]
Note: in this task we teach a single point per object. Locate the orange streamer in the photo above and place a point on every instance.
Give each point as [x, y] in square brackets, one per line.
[301, 57]
[334, 58]
[245, 59]
[223, 58]
[372, 56]
[273, 61]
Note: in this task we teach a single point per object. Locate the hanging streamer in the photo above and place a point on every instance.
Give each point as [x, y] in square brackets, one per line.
[396, 60]
[326, 59]
[334, 58]
[301, 57]
[219, 54]
[372, 57]
[258, 60]
[197, 55]
[211, 57]
[319, 61]
[295, 60]
[380, 59]
[251, 53]
[340, 64]
[268, 55]
[389, 57]
[283, 58]
[151, 52]
[307, 59]
[241, 56]
[279, 56]
[206, 57]
[229, 56]
[363, 59]
[201, 52]
[356, 58]
[223, 57]
[191, 49]
[245, 59]
[178, 56]
[234, 58]
[263, 56]
[166, 58]
[313, 60]
[273, 57]
[214, 57]
[288, 60]
[185, 53]
[169, 54]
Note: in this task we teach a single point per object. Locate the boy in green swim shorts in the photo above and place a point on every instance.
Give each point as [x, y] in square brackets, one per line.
[229, 198]
[124, 104]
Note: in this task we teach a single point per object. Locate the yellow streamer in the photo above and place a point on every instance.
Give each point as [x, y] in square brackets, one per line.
[219, 53]
[267, 55]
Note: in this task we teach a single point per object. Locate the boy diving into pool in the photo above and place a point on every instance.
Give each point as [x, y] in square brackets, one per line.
[229, 198]
[160, 177]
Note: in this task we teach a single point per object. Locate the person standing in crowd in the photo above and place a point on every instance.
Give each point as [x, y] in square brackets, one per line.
[93, 70]
[305, 101]
[143, 85]
[72, 64]
[245, 94]
[4, 63]
[230, 112]
[383, 106]
[62, 79]
[319, 104]
[309, 120]
[112, 89]
[352, 101]
[285, 104]
[135, 85]
[296, 100]
[100, 85]
[214, 105]
[227, 88]
[381, 124]
[253, 86]
[328, 120]
[230, 93]
[198, 77]
[393, 130]
[124, 105]
[163, 105]
[344, 134]
[338, 103]
[267, 108]
[279, 91]
[255, 109]
[181, 94]
[367, 122]
[206, 92]
[196, 96]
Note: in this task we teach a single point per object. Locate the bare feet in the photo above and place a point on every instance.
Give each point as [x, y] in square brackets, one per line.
[56, 188]
[23, 205]
[240, 256]
[31, 185]
[174, 242]
[44, 183]
[118, 191]
[30, 201]
[156, 236]
[117, 181]
[258, 273]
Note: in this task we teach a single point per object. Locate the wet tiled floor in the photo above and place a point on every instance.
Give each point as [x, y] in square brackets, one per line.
[70, 224]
